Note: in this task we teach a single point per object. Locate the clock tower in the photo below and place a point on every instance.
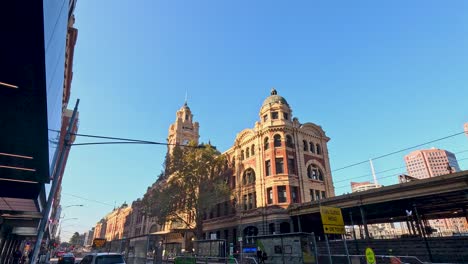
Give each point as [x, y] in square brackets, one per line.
[183, 130]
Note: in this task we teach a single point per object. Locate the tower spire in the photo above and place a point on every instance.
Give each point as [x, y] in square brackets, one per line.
[186, 95]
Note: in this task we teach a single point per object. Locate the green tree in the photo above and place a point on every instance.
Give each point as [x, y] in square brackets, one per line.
[194, 182]
[75, 238]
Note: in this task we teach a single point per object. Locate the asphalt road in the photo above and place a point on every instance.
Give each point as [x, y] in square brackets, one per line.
[55, 260]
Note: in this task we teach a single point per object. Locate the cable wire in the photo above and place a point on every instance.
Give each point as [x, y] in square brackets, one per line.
[398, 151]
[388, 176]
[90, 200]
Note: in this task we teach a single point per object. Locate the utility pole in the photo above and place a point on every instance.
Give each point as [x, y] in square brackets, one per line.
[55, 182]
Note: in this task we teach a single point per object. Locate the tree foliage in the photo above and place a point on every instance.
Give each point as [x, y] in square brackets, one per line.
[194, 182]
[75, 238]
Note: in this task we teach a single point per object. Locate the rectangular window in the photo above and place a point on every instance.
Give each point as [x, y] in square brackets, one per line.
[226, 208]
[317, 195]
[270, 195]
[286, 116]
[268, 167]
[250, 201]
[282, 194]
[254, 200]
[312, 195]
[291, 166]
[274, 115]
[279, 166]
[244, 202]
[294, 194]
[265, 118]
[324, 195]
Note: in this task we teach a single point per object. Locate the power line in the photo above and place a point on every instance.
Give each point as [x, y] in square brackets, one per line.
[396, 168]
[388, 176]
[367, 175]
[90, 200]
[398, 151]
[120, 141]
[383, 177]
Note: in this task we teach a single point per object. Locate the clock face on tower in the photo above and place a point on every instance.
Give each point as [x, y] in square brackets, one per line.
[185, 142]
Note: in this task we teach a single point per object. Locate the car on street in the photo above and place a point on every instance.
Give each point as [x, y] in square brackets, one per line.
[103, 258]
[67, 258]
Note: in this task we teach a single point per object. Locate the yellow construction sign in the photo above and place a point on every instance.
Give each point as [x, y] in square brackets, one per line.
[332, 220]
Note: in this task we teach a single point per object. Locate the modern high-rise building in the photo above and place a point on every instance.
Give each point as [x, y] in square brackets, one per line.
[363, 186]
[34, 92]
[428, 163]
[422, 164]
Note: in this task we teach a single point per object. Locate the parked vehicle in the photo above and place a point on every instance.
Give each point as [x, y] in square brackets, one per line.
[103, 258]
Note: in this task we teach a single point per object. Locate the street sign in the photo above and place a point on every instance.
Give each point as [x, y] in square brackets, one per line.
[331, 229]
[332, 220]
[370, 256]
[99, 242]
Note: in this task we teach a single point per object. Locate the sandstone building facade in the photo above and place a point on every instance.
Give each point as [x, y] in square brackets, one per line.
[278, 162]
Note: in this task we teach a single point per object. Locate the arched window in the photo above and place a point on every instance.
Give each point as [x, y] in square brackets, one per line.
[306, 147]
[242, 155]
[289, 141]
[249, 177]
[247, 152]
[153, 228]
[252, 150]
[319, 149]
[314, 173]
[271, 228]
[266, 143]
[285, 228]
[277, 140]
[312, 147]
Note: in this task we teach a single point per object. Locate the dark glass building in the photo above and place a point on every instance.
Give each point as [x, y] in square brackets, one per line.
[33, 48]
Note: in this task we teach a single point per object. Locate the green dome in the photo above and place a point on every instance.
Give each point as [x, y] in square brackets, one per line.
[274, 98]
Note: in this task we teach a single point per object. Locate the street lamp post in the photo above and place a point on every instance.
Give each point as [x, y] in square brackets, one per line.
[60, 227]
[63, 216]
[58, 166]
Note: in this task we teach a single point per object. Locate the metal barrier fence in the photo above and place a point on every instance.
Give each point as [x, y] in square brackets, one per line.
[214, 260]
[361, 259]
[147, 249]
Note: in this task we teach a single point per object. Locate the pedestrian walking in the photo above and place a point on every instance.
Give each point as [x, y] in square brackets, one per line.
[17, 256]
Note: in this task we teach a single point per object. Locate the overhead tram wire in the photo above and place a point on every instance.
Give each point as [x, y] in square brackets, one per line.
[370, 174]
[392, 175]
[396, 168]
[119, 141]
[87, 199]
[139, 141]
[398, 151]
[380, 178]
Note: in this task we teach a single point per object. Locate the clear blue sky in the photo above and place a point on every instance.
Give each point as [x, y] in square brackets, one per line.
[377, 76]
